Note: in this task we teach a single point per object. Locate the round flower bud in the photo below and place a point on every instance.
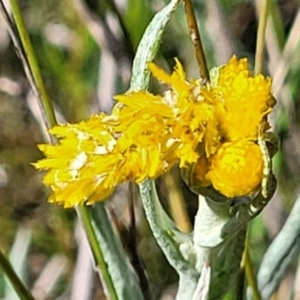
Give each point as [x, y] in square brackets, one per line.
[236, 168]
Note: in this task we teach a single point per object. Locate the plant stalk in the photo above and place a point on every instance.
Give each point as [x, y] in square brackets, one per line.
[196, 39]
[247, 265]
[86, 220]
[263, 12]
[32, 61]
[14, 279]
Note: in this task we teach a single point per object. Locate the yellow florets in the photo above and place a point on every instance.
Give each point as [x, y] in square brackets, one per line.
[245, 99]
[214, 127]
[236, 168]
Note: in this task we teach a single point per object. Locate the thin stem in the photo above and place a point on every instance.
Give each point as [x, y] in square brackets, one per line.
[14, 279]
[196, 39]
[35, 70]
[135, 258]
[17, 46]
[247, 265]
[177, 205]
[240, 285]
[86, 220]
[263, 12]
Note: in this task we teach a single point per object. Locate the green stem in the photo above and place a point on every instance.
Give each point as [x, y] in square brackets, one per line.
[164, 229]
[177, 205]
[263, 11]
[196, 39]
[32, 61]
[164, 234]
[249, 272]
[86, 220]
[239, 290]
[18, 285]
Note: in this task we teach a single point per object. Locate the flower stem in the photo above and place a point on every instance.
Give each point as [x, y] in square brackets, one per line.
[263, 11]
[86, 220]
[177, 205]
[32, 61]
[246, 264]
[196, 39]
[19, 287]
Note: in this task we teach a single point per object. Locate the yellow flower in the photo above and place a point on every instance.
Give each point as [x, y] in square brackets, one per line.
[194, 119]
[143, 137]
[245, 100]
[236, 169]
[212, 127]
[82, 163]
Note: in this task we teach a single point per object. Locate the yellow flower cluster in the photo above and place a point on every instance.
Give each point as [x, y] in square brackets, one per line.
[213, 126]
[244, 101]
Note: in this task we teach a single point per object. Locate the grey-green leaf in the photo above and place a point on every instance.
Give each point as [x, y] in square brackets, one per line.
[149, 46]
[122, 274]
[280, 254]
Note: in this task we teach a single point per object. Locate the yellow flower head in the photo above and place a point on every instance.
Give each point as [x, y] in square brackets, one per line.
[245, 100]
[81, 165]
[194, 119]
[236, 168]
[212, 127]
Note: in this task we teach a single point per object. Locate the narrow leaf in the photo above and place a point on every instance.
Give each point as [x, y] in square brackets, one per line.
[149, 46]
[280, 254]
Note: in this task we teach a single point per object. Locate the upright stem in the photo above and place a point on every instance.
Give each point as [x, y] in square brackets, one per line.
[196, 39]
[162, 227]
[18, 285]
[32, 61]
[85, 218]
[177, 205]
[248, 269]
[263, 12]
